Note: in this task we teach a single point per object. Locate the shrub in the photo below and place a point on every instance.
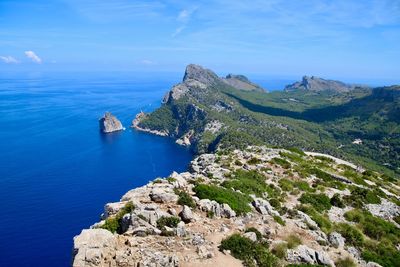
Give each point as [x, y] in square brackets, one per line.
[346, 262]
[248, 182]
[318, 201]
[254, 161]
[237, 201]
[286, 184]
[304, 186]
[275, 203]
[352, 235]
[397, 219]
[360, 196]
[336, 200]
[250, 252]
[383, 253]
[186, 199]
[167, 221]
[279, 220]
[293, 241]
[281, 162]
[238, 163]
[113, 224]
[280, 250]
[296, 150]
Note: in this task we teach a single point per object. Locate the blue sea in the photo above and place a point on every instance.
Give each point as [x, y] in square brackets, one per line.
[57, 170]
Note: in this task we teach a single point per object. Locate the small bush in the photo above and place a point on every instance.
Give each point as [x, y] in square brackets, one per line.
[237, 201]
[293, 241]
[186, 199]
[360, 196]
[383, 253]
[210, 214]
[275, 203]
[248, 182]
[286, 184]
[304, 186]
[279, 220]
[346, 262]
[318, 201]
[251, 253]
[167, 221]
[280, 250]
[254, 161]
[336, 200]
[352, 235]
[281, 162]
[322, 222]
[296, 150]
[113, 224]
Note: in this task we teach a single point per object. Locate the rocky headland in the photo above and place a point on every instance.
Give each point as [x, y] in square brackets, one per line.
[284, 204]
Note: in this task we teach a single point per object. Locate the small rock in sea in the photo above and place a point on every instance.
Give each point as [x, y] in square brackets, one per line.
[109, 123]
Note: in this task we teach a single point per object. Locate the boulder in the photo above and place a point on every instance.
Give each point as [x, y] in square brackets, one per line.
[186, 214]
[336, 240]
[227, 211]
[94, 247]
[180, 229]
[109, 123]
[304, 254]
[307, 220]
[251, 235]
[160, 195]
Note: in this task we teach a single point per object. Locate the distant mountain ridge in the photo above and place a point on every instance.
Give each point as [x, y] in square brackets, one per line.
[317, 84]
[208, 113]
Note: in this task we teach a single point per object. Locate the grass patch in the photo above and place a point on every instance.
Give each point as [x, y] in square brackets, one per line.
[279, 220]
[237, 201]
[352, 234]
[293, 241]
[346, 262]
[322, 222]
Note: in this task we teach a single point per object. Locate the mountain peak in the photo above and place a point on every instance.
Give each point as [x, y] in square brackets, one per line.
[313, 83]
[198, 73]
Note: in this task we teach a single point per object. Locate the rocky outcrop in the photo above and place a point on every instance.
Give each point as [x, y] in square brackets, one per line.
[304, 254]
[94, 247]
[318, 84]
[241, 82]
[109, 123]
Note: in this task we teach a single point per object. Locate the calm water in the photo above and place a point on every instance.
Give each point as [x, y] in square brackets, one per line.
[56, 169]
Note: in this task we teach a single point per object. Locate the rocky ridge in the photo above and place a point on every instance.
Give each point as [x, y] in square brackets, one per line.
[171, 222]
[318, 84]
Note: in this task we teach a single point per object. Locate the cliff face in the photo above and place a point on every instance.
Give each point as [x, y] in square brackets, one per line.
[247, 198]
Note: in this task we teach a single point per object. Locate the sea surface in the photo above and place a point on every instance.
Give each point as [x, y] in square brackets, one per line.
[57, 170]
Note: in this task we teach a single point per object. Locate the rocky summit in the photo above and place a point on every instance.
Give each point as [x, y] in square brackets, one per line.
[109, 123]
[318, 84]
[252, 207]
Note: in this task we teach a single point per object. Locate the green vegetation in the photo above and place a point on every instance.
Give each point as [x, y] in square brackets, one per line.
[254, 161]
[352, 235]
[318, 201]
[293, 241]
[281, 162]
[248, 182]
[113, 224]
[237, 201]
[168, 221]
[321, 220]
[186, 199]
[360, 196]
[251, 253]
[346, 262]
[336, 200]
[279, 220]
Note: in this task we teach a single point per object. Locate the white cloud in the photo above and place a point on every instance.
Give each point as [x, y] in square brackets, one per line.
[147, 62]
[32, 55]
[185, 14]
[178, 31]
[9, 59]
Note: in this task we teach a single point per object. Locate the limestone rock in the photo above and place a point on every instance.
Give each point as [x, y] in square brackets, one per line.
[109, 123]
[336, 239]
[159, 195]
[318, 84]
[94, 247]
[186, 214]
[304, 254]
[251, 235]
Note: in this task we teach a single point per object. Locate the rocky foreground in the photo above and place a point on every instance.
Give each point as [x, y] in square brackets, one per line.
[252, 207]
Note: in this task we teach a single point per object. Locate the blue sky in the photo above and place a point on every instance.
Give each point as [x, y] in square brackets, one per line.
[342, 38]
